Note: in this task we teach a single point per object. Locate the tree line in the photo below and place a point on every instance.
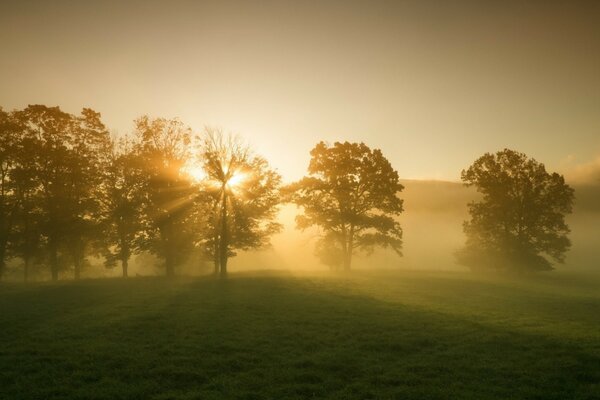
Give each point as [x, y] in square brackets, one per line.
[70, 191]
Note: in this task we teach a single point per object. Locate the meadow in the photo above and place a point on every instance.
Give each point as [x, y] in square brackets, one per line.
[278, 335]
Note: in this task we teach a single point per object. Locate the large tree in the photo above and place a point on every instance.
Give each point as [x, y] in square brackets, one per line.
[66, 161]
[519, 224]
[10, 138]
[163, 147]
[241, 194]
[351, 194]
[122, 203]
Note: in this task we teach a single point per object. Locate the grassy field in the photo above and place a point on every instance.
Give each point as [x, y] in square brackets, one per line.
[377, 335]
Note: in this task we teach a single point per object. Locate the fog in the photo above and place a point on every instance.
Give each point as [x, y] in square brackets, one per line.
[432, 223]
[432, 220]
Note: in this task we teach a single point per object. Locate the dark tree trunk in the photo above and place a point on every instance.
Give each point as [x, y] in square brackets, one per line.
[348, 260]
[224, 243]
[77, 265]
[216, 262]
[125, 266]
[169, 253]
[216, 255]
[349, 248]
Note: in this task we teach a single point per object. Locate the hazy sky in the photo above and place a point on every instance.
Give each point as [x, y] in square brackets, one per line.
[432, 83]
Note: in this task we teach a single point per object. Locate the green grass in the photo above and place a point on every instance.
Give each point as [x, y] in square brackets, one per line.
[378, 335]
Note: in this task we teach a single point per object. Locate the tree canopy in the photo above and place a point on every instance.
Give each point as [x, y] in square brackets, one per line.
[519, 224]
[243, 196]
[351, 194]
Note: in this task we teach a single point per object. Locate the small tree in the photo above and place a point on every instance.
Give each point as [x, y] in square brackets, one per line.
[242, 195]
[351, 193]
[519, 225]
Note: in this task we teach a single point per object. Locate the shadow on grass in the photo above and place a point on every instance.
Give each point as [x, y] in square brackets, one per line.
[269, 337]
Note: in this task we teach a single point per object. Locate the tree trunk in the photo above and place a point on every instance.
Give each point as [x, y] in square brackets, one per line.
[349, 248]
[125, 266]
[216, 263]
[169, 254]
[345, 250]
[224, 242]
[216, 255]
[77, 267]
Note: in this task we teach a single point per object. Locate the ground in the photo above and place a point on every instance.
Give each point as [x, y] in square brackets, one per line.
[362, 335]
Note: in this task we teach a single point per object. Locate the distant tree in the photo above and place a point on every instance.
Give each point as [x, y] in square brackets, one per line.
[122, 203]
[519, 225]
[168, 193]
[242, 195]
[351, 193]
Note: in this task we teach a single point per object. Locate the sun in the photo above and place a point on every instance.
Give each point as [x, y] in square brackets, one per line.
[236, 180]
[196, 172]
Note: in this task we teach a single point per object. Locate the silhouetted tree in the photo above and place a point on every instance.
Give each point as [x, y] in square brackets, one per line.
[122, 203]
[351, 193]
[519, 225]
[242, 195]
[167, 191]
[49, 129]
[10, 137]
[65, 170]
[27, 241]
[89, 145]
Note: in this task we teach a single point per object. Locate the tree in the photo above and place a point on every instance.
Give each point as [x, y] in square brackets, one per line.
[122, 203]
[65, 164]
[27, 241]
[89, 145]
[242, 195]
[168, 193]
[48, 128]
[10, 137]
[351, 193]
[519, 225]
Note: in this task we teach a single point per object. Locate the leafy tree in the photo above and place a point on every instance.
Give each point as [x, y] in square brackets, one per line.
[10, 137]
[122, 204]
[167, 191]
[65, 165]
[48, 128]
[89, 144]
[351, 193]
[242, 195]
[519, 225]
[27, 241]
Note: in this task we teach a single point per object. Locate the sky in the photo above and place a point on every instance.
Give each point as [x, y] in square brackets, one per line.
[434, 84]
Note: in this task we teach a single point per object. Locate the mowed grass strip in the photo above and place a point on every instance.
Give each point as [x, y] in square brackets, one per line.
[377, 335]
